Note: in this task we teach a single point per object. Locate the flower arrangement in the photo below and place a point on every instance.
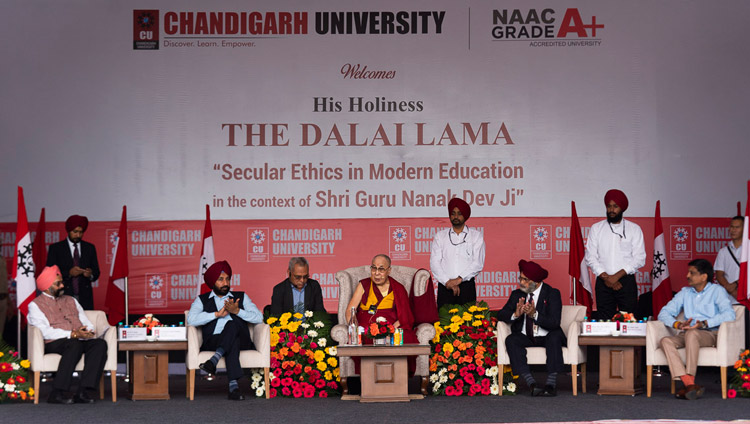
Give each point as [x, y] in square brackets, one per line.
[622, 316]
[741, 380]
[303, 362]
[14, 382]
[380, 329]
[148, 321]
[464, 353]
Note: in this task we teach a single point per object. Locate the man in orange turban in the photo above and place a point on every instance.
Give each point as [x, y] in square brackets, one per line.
[67, 331]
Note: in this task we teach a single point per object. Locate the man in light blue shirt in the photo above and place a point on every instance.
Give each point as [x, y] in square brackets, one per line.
[223, 316]
[706, 306]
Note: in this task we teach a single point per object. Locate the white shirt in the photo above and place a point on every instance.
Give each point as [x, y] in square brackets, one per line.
[538, 330]
[724, 262]
[454, 254]
[612, 249]
[40, 321]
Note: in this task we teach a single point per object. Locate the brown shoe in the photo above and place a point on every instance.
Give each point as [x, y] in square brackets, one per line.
[694, 392]
[681, 394]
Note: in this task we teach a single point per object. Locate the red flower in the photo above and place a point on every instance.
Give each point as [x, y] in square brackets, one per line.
[20, 379]
[450, 391]
[297, 393]
[313, 345]
[286, 391]
[309, 391]
[323, 394]
[295, 385]
[459, 391]
[486, 390]
[459, 384]
[276, 382]
[746, 377]
[5, 367]
[476, 388]
[286, 381]
[272, 393]
[277, 372]
[469, 378]
[731, 393]
[320, 383]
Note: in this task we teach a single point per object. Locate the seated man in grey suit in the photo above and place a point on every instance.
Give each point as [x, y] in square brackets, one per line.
[298, 293]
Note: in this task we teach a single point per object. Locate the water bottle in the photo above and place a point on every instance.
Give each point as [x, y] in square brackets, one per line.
[353, 336]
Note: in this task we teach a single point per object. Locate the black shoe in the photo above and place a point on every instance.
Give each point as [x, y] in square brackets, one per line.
[208, 367]
[58, 397]
[236, 395]
[535, 391]
[549, 391]
[82, 397]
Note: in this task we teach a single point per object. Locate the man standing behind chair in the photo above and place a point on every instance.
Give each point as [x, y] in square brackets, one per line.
[223, 315]
[534, 311]
[727, 264]
[298, 293]
[456, 257]
[77, 261]
[614, 252]
[68, 332]
[706, 306]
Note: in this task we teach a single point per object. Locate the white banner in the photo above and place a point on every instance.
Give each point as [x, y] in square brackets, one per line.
[302, 110]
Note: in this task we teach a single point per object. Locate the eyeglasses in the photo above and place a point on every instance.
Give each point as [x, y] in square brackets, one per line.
[524, 279]
[377, 270]
[299, 277]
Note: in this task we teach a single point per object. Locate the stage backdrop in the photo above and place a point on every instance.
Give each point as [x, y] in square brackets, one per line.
[358, 121]
[164, 256]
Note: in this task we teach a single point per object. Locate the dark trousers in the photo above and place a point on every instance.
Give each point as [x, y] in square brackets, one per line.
[71, 350]
[232, 339]
[468, 294]
[609, 301]
[517, 343]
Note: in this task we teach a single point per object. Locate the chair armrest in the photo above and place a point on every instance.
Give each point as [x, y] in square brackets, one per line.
[574, 330]
[340, 333]
[425, 332]
[730, 340]
[110, 337]
[35, 348]
[194, 341]
[261, 334]
[503, 331]
[655, 331]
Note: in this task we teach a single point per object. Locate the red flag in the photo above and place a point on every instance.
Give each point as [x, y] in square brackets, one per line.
[40, 249]
[23, 260]
[207, 253]
[115, 301]
[743, 284]
[577, 264]
[661, 286]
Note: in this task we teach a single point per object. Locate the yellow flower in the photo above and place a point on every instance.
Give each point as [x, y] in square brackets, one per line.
[455, 327]
[477, 323]
[319, 355]
[322, 366]
[25, 363]
[1, 354]
[466, 316]
[297, 315]
[332, 362]
[453, 311]
[274, 339]
[483, 308]
[293, 326]
[479, 316]
[328, 375]
[448, 348]
[31, 391]
[473, 308]
[285, 316]
[271, 320]
[336, 373]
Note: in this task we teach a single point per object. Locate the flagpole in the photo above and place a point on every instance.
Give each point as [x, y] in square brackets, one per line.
[575, 283]
[126, 301]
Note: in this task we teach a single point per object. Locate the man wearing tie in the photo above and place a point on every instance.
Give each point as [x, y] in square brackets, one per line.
[533, 312]
[77, 261]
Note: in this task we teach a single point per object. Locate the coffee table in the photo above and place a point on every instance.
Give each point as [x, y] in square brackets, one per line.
[619, 363]
[149, 367]
[384, 371]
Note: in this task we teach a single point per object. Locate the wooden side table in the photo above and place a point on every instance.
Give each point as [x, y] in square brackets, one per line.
[384, 371]
[619, 363]
[149, 367]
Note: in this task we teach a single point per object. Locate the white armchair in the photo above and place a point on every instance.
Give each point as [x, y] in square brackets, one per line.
[729, 342]
[260, 334]
[570, 322]
[41, 362]
[348, 280]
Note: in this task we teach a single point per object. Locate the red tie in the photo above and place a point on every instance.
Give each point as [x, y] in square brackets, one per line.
[529, 320]
[76, 262]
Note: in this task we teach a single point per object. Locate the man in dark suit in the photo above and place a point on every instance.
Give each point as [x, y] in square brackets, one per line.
[77, 261]
[298, 293]
[533, 311]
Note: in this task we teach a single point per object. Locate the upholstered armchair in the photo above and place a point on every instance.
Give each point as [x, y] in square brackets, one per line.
[41, 362]
[348, 280]
[729, 342]
[570, 322]
[260, 334]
